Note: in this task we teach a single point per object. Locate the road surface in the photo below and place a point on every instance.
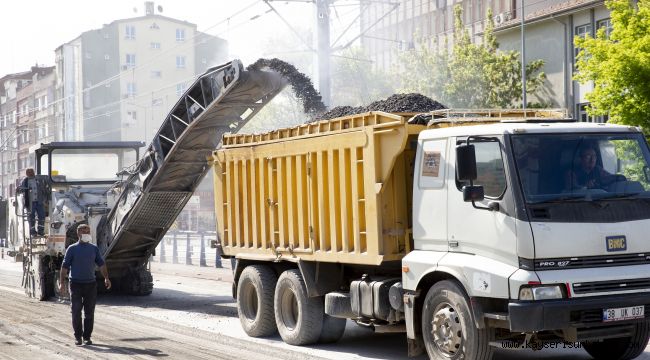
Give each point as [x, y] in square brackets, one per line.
[190, 315]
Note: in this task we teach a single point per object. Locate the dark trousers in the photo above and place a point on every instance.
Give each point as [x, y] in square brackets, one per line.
[37, 209]
[83, 295]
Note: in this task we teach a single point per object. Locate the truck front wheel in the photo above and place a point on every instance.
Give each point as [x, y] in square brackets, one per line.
[299, 317]
[448, 326]
[621, 348]
[255, 300]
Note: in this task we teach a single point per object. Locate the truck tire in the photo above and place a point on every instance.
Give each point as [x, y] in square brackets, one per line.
[448, 325]
[36, 279]
[333, 329]
[57, 281]
[255, 290]
[138, 282]
[621, 348]
[299, 318]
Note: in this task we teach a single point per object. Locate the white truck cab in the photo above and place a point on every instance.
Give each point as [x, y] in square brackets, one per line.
[542, 226]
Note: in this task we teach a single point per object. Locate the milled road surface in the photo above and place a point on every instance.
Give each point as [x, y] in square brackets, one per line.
[190, 315]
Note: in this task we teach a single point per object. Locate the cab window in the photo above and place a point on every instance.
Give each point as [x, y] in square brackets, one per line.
[489, 169]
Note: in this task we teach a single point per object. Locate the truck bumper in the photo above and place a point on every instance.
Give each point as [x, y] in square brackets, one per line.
[530, 316]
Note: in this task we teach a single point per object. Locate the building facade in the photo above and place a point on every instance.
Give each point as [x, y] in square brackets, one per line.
[118, 82]
[550, 27]
[26, 119]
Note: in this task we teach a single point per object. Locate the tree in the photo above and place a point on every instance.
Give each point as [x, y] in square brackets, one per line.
[470, 75]
[619, 65]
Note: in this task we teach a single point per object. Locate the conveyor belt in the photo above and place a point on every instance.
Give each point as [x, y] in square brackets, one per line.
[220, 101]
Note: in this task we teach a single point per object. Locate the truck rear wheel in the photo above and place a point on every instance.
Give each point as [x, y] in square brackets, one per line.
[621, 348]
[299, 318]
[448, 326]
[255, 290]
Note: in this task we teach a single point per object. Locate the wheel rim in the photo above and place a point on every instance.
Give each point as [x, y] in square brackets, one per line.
[446, 330]
[289, 309]
[249, 300]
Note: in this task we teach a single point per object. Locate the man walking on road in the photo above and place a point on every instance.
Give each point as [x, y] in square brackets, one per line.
[80, 259]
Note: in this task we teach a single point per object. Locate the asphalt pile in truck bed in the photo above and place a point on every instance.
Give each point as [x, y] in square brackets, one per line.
[395, 103]
[301, 84]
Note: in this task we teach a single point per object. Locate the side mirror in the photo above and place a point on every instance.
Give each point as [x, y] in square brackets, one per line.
[465, 162]
[473, 193]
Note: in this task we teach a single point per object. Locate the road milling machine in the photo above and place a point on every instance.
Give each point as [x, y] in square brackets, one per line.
[130, 208]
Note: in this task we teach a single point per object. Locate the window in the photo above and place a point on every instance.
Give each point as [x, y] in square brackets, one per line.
[130, 89]
[130, 32]
[180, 89]
[582, 31]
[131, 116]
[154, 26]
[154, 45]
[180, 62]
[605, 24]
[490, 171]
[107, 57]
[156, 73]
[130, 60]
[584, 117]
[180, 34]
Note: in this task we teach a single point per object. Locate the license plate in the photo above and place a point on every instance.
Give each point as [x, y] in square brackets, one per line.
[626, 313]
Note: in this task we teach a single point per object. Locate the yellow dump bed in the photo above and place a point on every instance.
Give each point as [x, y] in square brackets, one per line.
[330, 191]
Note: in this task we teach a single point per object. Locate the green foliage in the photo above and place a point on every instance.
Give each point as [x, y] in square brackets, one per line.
[631, 161]
[619, 66]
[470, 75]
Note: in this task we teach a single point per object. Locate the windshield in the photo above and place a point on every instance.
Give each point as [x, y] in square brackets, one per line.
[75, 165]
[579, 167]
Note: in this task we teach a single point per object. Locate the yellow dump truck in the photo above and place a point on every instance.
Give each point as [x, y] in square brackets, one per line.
[423, 224]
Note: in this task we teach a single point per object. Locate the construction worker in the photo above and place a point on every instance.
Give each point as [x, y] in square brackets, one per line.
[34, 196]
[80, 259]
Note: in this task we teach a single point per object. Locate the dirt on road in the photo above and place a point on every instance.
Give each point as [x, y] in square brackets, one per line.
[30, 329]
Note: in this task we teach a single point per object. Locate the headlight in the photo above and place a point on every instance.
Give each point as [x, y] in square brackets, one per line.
[540, 292]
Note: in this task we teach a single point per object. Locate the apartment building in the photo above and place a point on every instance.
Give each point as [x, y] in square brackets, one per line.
[119, 81]
[26, 119]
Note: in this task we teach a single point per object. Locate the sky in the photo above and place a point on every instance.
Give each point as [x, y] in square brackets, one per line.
[32, 29]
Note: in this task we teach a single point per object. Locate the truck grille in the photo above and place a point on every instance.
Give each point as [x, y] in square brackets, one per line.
[589, 261]
[613, 285]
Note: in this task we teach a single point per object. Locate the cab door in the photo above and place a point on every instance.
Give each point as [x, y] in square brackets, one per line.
[490, 233]
[430, 195]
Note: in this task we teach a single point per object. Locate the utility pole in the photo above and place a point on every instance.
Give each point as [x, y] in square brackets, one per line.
[323, 49]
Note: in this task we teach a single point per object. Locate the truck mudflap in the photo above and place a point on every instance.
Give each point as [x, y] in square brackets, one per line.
[572, 314]
[222, 100]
